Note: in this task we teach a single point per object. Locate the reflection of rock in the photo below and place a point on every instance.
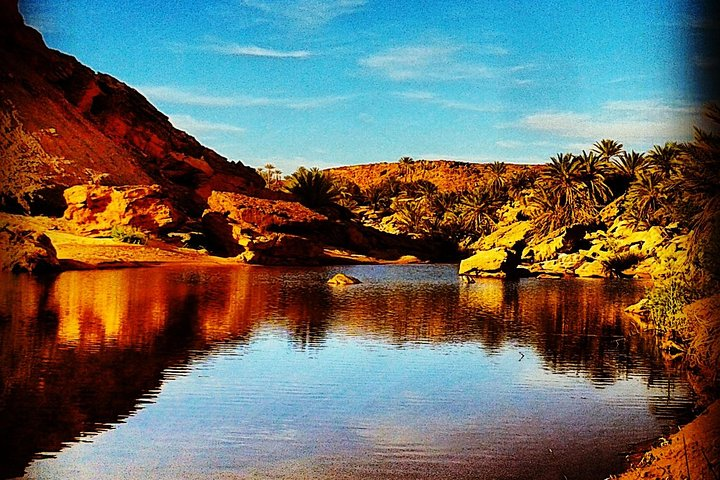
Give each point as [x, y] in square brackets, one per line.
[342, 279]
[95, 210]
[497, 262]
[26, 250]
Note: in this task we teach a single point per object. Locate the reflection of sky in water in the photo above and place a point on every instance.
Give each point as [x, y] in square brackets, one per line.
[247, 408]
[270, 372]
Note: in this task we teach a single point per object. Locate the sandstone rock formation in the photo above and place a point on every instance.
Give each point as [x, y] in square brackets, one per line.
[95, 210]
[25, 249]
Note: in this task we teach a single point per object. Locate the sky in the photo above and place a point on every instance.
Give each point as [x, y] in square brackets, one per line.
[338, 82]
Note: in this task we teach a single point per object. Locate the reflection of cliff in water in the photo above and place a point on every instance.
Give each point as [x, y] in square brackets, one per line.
[77, 353]
[84, 350]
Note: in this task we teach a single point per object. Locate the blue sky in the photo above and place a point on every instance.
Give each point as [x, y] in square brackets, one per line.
[335, 82]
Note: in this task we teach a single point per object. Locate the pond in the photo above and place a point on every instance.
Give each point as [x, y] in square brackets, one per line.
[258, 372]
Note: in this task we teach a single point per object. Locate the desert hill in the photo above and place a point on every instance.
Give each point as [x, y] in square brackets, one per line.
[447, 175]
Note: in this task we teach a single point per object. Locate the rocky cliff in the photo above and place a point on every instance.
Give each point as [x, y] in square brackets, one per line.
[62, 124]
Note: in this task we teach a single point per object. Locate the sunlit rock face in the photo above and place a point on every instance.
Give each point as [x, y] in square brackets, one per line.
[63, 124]
[96, 210]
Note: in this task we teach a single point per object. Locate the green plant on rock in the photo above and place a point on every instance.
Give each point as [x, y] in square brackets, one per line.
[129, 234]
[314, 188]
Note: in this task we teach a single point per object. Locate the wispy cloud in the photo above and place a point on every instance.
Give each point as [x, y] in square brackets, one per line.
[197, 126]
[183, 97]
[434, 62]
[431, 98]
[644, 121]
[307, 13]
[237, 50]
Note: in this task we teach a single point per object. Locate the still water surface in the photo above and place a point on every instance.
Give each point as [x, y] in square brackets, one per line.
[221, 372]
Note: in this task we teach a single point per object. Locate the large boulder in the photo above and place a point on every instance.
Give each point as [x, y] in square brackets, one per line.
[496, 262]
[95, 209]
[512, 236]
[25, 249]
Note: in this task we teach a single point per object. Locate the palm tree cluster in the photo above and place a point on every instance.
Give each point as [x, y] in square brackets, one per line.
[271, 175]
[675, 182]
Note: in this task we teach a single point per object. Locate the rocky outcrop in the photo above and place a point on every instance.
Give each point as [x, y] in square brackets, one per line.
[497, 262]
[61, 124]
[513, 236]
[259, 215]
[25, 249]
[261, 231]
[96, 210]
[565, 240]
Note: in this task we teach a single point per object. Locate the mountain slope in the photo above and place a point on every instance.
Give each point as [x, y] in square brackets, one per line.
[62, 124]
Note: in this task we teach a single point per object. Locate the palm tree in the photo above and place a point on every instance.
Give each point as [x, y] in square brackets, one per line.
[269, 173]
[412, 216]
[560, 177]
[592, 170]
[406, 164]
[313, 187]
[608, 149]
[497, 176]
[478, 211]
[628, 165]
[646, 199]
[664, 159]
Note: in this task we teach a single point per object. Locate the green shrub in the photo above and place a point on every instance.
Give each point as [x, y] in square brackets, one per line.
[128, 234]
[667, 299]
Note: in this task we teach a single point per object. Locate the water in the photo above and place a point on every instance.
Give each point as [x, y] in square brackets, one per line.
[222, 372]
